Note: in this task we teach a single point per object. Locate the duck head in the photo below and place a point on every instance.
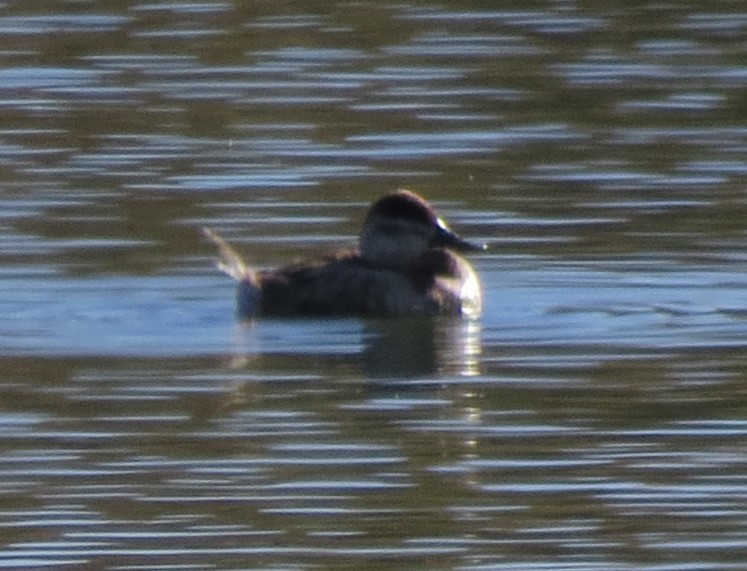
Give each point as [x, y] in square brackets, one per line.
[401, 226]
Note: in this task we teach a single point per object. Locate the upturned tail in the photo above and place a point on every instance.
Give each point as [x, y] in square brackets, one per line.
[229, 261]
[249, 292]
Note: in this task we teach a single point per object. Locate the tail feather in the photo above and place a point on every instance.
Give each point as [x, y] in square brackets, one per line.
[229, 261]
[249, 292]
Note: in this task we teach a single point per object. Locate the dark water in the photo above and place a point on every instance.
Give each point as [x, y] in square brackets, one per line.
[595, 418]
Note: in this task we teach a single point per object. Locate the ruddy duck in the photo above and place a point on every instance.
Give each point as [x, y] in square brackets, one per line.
[407, 264]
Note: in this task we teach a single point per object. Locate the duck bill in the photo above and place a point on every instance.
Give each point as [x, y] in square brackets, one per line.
[446, 238]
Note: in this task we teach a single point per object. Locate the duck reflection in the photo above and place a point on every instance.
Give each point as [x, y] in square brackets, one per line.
[399, 348]
[420, 347]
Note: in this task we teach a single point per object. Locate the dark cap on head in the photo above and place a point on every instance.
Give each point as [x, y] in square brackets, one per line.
[404, 204]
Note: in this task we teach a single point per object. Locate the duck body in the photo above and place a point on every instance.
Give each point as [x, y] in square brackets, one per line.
[347, 284]
[407, 265]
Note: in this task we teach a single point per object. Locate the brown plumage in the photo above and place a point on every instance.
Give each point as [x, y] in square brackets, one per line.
[407, 265]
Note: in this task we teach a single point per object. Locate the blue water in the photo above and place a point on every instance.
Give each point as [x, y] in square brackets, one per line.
[593, 418]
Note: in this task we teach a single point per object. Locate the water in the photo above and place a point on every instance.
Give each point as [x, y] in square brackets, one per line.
[594, 418]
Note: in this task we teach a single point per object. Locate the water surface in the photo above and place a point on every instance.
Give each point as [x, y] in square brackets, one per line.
[594, 418]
